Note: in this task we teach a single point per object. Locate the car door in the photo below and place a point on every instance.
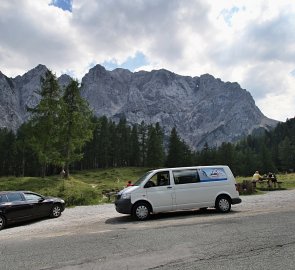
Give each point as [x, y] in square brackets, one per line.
[160, 192]
[40, 206]
[17, 209]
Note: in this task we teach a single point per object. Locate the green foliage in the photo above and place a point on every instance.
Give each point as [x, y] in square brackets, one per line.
[86, 187]
[59, 127]
[43, 126]
[155, 149]
[75, 127]
[179, 153]
[82, 188]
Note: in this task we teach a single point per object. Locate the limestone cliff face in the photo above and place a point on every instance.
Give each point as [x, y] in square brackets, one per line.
[9, 104]
[203, 109]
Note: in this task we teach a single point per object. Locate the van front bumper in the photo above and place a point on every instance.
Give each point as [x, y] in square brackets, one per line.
[123, 206]
[236, 200]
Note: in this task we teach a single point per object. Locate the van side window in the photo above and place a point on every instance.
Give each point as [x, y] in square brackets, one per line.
[160, 179]
[186, 176]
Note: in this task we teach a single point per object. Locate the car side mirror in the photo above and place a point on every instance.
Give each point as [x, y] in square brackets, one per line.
[41, 200]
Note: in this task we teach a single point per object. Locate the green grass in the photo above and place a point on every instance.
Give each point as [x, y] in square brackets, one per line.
[82, 188]
[86, 187]
[287, 179]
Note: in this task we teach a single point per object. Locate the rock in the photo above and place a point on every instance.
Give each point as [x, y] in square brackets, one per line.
[203, 109]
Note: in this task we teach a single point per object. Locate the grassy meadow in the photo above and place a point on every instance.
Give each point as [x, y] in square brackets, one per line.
[87, 187]
[82, 188]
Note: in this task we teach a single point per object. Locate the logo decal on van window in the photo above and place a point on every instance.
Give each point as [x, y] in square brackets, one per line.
[212, 174]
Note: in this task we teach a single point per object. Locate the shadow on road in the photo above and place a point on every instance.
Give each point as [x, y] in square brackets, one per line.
[170, 215]
[24, 223]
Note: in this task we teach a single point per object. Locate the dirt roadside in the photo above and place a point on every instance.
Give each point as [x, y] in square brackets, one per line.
[104, 218]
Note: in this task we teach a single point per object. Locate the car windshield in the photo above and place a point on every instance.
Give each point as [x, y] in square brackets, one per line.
[142, 179]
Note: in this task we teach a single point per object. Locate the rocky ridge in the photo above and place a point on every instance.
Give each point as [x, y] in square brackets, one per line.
[203, 109]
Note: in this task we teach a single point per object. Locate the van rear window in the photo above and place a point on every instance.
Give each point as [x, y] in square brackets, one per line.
[212, 174]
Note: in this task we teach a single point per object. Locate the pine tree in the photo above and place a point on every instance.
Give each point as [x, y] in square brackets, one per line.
[155, 151]
[142, 136]
[134, 147]
[75, 126]
[44, 123]
[286, 154]
[104, 144]
[175, 153]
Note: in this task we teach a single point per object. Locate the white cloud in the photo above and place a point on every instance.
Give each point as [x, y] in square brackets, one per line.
[251, 42]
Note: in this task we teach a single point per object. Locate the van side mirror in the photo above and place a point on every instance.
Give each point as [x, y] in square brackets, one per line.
[149, 184]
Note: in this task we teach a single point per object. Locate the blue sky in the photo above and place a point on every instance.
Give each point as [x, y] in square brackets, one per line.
[132, 63]
[65, 5]
[244, 41]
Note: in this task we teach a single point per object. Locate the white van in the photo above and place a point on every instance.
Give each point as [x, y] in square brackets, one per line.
[183, 188]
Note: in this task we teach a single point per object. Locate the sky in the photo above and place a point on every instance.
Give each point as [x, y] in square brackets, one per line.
[251, 42]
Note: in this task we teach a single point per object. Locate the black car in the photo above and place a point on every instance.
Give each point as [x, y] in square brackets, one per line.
[17, 206]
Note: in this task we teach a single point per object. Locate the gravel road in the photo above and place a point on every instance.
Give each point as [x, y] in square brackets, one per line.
[103, 217]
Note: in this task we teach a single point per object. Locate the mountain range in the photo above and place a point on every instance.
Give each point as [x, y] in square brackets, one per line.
[203, 109]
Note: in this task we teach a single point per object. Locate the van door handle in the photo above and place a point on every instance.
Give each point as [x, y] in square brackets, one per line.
[169, 187]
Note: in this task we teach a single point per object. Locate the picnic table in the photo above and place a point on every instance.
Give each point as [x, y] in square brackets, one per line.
[267, 182]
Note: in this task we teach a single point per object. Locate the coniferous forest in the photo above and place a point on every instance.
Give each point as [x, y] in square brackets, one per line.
[62, 133]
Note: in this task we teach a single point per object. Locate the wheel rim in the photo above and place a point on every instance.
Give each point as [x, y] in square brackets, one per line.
[142, 212]
[1, 222]
[56, 211]
[223, 205]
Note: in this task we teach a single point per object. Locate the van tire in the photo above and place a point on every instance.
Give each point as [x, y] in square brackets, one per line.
[2, 222]
[141, 211]
[223, 204]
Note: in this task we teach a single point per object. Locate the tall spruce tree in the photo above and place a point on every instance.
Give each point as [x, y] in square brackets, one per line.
[142, 136]
[104, 143]
[155, 150]
[75, 126]
[134, 147]
[44, 123]
[175, 150]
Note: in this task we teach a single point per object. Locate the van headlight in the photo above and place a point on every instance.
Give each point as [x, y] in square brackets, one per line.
[126, 196]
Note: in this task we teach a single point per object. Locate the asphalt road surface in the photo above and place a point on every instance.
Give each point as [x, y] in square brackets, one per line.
[257, 234]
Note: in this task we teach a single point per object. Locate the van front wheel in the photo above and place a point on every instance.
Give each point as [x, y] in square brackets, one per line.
[141, 211]
[223, 204]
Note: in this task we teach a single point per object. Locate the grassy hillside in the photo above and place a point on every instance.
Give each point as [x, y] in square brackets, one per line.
[87, 187]
[82, 188]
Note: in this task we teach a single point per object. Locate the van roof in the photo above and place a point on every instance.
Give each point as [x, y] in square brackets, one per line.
[190, 167]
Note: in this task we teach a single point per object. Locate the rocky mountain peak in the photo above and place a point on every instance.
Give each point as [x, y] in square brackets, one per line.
[204, 109]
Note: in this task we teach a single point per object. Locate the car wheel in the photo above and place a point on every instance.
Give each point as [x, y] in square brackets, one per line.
[2, 222]
[141, 211]
[223, 204]
[55, 211]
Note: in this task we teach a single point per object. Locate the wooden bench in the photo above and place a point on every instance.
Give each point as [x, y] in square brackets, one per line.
[270, 185]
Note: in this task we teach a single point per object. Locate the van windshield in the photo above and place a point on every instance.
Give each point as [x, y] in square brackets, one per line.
[142, 179]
